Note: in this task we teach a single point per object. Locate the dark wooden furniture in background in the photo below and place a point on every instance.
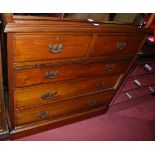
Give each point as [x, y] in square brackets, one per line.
[141, 82]
[4, 132]
[62, 70]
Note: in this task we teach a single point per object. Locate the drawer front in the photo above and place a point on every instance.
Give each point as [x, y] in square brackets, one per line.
[116, 44]
[60, 109]
[139, 82]
[38, 95]
[132, 94]
[33, 76]
[144, 69]
[43, 47]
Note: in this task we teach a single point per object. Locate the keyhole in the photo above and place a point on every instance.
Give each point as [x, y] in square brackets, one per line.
[57, 38]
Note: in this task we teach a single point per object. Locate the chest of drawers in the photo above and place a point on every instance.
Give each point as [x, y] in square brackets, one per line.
[61, 71]
[141, 82]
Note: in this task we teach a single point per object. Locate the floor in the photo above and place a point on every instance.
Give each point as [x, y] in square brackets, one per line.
[133, 120]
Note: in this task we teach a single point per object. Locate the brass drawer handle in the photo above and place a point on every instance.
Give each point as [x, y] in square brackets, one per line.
[106, 104]
[48, 95]
[100, 86]
[51, 75]
[55, 48]
[92, 103]
[121, 45]
[110, 68]
[44, 114]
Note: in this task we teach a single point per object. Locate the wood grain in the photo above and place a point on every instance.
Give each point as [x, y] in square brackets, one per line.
[27, 77]
[106, 44]
[62, 108]
[3, 121]
[35, 47]
[87, 50]
[32, 96]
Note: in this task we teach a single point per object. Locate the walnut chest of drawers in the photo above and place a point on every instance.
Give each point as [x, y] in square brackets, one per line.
[61, 71]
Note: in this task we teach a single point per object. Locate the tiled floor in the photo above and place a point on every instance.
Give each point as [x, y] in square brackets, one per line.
[133, 120]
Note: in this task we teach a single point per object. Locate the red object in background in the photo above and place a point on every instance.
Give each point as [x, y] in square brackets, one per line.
[151, 39]
[152, 25]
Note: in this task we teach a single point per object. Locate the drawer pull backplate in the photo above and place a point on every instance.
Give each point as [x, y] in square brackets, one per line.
[51, 75]
[100, 86]
[110, 68]
[44, 114]
[55, 48]
[48, 95]
[121, 45]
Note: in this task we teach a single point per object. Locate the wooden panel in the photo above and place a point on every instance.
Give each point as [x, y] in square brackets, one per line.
[38, 95]
[35, 47]
[62, 108]
[138, 82]
[132, 94]
[27, 77]
[116, 44]
[4, 133]
[2, 108]
[146, 68]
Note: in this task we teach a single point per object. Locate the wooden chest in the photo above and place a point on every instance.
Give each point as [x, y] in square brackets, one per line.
[4, 132]
[61, 71]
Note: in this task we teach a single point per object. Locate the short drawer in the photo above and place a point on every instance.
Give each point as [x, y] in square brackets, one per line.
[138, 82]
[38, 95]
[144, 69]
[129, 95]
[116, 44]
[60, 109]
[29, 47]
[42, 75]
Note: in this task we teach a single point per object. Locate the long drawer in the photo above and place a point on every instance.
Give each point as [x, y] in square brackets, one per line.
[59, 109]
[144, 68]
[29, 47]
[116, 44]
[132, 94]
[43, 94]
[140, 81]
[42, 75]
